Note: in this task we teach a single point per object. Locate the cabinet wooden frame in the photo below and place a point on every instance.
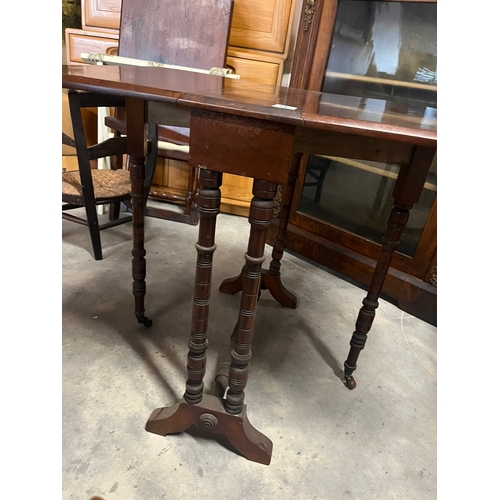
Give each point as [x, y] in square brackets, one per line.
[101, 15]
[353, 255]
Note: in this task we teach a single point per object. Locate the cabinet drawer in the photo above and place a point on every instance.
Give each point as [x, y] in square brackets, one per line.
[254, 70]
[78, 41]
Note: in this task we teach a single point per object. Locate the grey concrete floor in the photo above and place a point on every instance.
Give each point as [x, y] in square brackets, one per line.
[377, 441]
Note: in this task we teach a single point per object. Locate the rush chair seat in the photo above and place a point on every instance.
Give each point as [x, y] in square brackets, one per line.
[182, 33]
[88, 187]
[107, 184]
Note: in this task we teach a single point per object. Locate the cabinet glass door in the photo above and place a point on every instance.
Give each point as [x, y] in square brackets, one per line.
[379, 50]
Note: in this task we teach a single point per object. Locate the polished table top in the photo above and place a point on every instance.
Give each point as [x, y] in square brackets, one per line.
[372, 117]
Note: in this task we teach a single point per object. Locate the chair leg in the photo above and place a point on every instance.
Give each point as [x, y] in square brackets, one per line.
[95, 236]
[85, 173]
[319, 187]
[116, 162]
[114, 211]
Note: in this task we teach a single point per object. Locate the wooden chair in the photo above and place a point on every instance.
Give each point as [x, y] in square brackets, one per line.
[317, 168]
[87, 187]
[184, 33]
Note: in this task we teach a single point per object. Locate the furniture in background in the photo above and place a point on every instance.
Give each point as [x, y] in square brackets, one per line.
[89, 117]
[254, 132]
[189, 34]
[89, 187]
[369, 50]
[260, 46]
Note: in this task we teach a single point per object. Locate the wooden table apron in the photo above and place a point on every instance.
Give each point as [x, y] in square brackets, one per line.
[269, 152]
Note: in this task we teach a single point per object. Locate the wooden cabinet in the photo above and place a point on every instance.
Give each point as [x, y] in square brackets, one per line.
[260, 43]
[373, 50]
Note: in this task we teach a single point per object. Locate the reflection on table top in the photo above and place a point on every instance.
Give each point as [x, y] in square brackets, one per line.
[372, 117]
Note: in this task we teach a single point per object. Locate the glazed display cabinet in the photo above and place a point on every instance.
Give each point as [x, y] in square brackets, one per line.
[373, 51]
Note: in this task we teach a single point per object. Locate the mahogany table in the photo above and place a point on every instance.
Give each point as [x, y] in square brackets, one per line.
[257, 131]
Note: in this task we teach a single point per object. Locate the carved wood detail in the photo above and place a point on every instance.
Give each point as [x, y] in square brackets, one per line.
[308, 13]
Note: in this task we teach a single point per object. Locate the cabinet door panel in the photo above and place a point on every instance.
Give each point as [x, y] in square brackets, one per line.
[260, 24]
[101, 14]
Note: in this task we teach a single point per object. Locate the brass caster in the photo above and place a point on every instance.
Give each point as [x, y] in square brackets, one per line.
[350, 383]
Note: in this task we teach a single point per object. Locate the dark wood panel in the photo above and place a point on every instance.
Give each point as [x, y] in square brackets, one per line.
[321, 142]
[265, 146]
[149, 37]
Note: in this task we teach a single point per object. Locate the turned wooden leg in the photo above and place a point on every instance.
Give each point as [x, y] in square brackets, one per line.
[208, 207]
[261, 211]
[196, 408]
[271, 279]
[136, 148]
[397, 222]
[138, 252]
[406, 193]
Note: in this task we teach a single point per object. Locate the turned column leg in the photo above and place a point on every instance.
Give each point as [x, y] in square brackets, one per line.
[208, 207]
[271, 279]
[138, 252]
[261, 211]
[137, 148]
[406, 193]
[196, 408]
[397, 222]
